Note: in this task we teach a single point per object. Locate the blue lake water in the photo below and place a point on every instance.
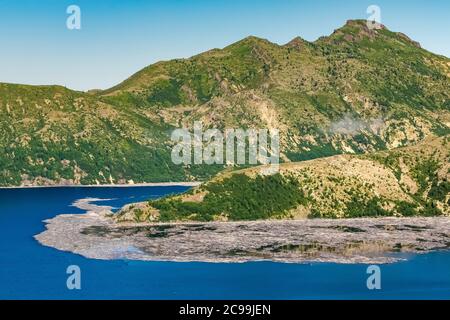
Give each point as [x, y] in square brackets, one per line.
[29, 270]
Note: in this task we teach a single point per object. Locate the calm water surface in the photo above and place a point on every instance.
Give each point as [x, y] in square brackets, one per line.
[29, 270]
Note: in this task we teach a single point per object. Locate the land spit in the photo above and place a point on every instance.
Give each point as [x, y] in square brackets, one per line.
[369, 240]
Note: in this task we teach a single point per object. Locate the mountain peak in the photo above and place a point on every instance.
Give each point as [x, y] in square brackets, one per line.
[297, 42]
[359, 29]
[253, 39]
[363, 26]
[361, 23]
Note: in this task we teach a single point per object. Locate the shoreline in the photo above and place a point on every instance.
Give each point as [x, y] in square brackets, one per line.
[146, 184]
[95, 235]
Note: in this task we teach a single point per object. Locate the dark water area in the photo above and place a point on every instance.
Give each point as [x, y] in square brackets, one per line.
[29, 270]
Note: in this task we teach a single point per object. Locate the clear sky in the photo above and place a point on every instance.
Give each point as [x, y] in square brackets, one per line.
[117, 38]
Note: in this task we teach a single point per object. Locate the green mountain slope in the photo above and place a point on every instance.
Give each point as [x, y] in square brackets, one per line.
[355, 91]
[409, 181]
[55, 135]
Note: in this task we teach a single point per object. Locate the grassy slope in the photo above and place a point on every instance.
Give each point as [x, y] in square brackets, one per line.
[409, 181]
[52, 134]
[392, 92]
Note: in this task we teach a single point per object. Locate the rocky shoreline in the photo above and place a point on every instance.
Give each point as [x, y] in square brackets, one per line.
[374, 240]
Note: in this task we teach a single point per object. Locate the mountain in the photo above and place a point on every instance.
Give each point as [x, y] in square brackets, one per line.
[52, 135]
[408, 181]
[355, 91]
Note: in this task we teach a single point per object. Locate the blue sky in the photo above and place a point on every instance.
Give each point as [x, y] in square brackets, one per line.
[118, 38]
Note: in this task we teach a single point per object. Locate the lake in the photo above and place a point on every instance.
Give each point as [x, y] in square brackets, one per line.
[29, 270]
